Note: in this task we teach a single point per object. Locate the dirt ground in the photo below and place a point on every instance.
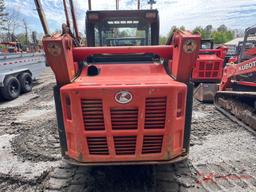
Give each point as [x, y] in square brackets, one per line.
[222, 154]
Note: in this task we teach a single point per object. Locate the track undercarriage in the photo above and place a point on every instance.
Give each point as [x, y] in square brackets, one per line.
[239, 106]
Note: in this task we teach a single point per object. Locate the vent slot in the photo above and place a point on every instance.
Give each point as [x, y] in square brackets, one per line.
[155, 113]
[201, 66]
[152, 144]
[97, 145]
[201, 74]
[124, 119]
[209, 66]
[217, 66]
[125, 145]
[207, 74]
[215, 74]
[93, 114]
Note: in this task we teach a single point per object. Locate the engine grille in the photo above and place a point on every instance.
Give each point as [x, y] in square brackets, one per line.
[124, 119]
[152, 144]
[97, 145]
[93, 114]
[209, 69]
[125, 145]
[155, 113]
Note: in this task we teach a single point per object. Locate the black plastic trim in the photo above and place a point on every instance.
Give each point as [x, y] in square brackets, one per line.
[60, 121]
[189, 107]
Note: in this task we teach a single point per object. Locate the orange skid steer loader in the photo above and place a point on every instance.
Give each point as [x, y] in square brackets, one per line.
[122, 105]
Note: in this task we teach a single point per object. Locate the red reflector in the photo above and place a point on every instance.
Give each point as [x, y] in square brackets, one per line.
[179, 105]
[68, 107]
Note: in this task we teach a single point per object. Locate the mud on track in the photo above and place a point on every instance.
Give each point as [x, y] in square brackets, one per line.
[222, 154]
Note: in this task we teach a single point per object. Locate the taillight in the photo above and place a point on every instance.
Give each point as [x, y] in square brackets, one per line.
[179, 104]
[68, 107]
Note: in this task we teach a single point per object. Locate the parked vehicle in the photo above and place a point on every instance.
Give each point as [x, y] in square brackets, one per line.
[17, 72]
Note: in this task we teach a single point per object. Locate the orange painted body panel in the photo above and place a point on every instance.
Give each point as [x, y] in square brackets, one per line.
[233, 70]
[59, 53]
[209, 65]
[150, 127]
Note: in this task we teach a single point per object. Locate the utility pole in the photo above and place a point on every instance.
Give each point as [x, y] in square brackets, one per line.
[138, 4]
[151, 2]
[117, 4]
[26, 31]
[89, 5]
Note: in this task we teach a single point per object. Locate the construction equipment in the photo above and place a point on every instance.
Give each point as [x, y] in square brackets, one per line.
[210, 63]
[122, 28]
[119, 105]
[11, 47]
[248, 43]
[237, 90]
[17, 72]
[208, 70]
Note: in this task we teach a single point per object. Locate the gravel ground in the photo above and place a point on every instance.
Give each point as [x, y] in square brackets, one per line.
[222, 154]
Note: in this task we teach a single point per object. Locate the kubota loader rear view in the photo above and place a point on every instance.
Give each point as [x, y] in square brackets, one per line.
[208, 70]
[125, 104]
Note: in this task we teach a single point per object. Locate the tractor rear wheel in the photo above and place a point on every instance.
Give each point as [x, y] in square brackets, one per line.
[25, 82]
[11, 89]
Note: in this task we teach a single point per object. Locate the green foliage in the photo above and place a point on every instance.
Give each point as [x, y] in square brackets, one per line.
[220, 35]
[22, 38]
[163, 40]
[200, 30]
[3, 15]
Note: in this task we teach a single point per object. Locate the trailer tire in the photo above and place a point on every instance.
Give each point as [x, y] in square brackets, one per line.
[11, 89]
[25, 82]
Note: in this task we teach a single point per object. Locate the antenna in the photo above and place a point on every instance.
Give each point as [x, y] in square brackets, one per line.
[117, 4]
[151, 2]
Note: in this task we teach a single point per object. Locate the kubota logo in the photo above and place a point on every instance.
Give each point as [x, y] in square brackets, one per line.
[247, 66]
[189, 46]
[123, 97]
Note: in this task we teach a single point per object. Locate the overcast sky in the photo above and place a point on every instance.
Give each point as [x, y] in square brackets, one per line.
[236, 14]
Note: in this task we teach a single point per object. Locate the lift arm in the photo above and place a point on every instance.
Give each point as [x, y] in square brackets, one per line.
[41, 14]
[234, 70]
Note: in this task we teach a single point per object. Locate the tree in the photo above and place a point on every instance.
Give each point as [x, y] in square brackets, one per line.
[3, 15]
[34, 37]
[222, 28]
[220, 37]
[12, 23]
[200, 30]
[208, 31]
[163, 40]
[26, 31]
[182, 28]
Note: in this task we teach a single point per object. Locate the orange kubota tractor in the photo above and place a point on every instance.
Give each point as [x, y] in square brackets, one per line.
[208, 70]
[237, 91]
[210, 63]
[125, 104]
